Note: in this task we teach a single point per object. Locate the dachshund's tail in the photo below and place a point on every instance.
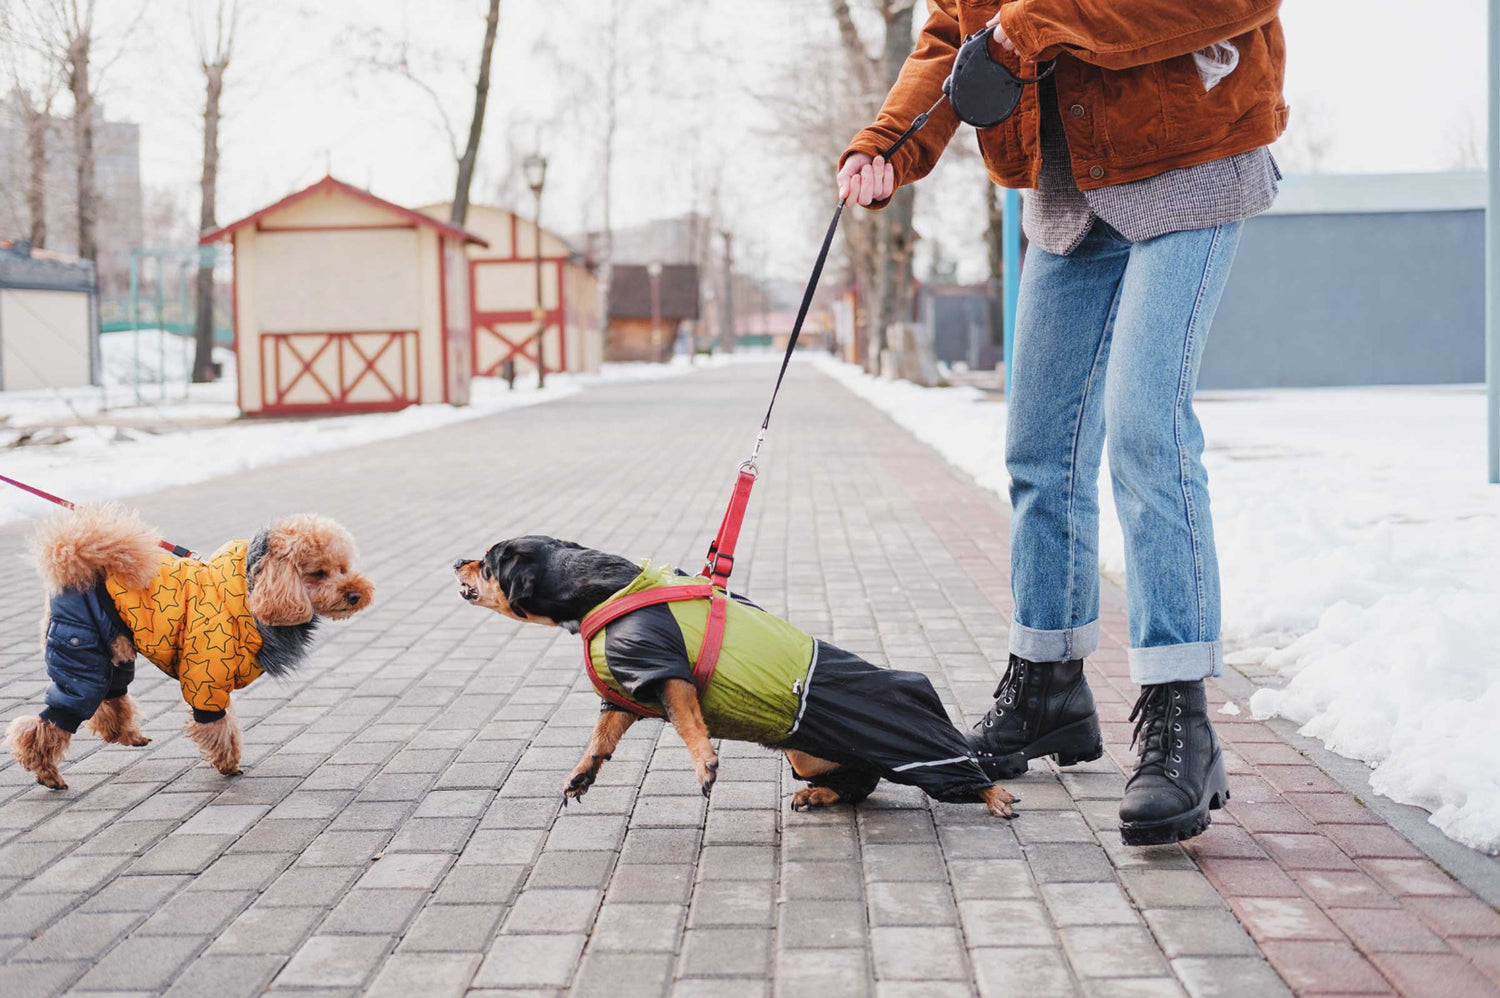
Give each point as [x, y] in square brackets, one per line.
[76, 547]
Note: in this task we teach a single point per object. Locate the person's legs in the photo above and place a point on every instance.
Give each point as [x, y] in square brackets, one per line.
[1170, 290]
[1054, 439]
[1053, 442]
[1167, 300]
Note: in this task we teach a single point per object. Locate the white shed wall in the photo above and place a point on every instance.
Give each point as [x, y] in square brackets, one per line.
[45, 339]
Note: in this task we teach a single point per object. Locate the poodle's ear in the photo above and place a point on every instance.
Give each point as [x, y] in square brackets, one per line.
[277, 596]
[513, 572]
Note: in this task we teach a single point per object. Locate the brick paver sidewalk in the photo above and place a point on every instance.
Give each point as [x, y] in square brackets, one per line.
[397, 828]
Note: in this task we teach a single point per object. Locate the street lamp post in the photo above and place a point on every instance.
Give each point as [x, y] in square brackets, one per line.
[535, 168]
[654, 270]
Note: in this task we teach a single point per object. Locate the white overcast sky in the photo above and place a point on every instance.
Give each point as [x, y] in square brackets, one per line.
[1387, 85]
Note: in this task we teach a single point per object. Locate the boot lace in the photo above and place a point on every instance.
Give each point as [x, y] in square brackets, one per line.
[1158, 730]
[1011, 687]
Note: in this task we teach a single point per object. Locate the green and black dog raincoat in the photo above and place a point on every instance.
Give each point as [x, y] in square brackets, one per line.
[769, 682]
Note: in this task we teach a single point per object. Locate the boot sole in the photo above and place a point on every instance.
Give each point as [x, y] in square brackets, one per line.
[1185, 825]
[1069, 745]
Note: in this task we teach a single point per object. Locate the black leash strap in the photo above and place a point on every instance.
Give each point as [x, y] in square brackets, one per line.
[817, 272]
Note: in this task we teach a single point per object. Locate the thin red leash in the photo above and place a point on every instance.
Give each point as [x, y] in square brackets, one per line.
[176, 549]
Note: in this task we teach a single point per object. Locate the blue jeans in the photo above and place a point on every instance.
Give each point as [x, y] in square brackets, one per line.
[1141, 311]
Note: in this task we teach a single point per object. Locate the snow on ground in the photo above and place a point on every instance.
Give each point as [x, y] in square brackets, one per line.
[145, 356]
[1359, 550]
[177, 440]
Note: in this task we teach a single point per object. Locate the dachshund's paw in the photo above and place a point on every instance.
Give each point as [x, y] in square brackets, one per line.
[230, 769]
[584, 776]
[810, 797]
[578, 786]
[708, 774]
[998, 801]
[134, 740]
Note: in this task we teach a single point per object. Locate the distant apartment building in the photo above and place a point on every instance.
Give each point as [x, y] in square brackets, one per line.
[117, 171]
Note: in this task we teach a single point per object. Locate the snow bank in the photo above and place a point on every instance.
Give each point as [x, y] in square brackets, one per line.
[1359, 551]
[153, 356]
[107, 461]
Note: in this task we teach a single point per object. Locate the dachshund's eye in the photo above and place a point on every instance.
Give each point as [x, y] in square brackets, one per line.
[484, 572]
[319, 574]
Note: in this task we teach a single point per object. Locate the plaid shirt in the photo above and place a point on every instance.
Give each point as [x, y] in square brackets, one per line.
[1057, 215]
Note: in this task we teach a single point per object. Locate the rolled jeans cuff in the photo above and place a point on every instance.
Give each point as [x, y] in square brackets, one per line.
[1176, 663]
[1054, 646]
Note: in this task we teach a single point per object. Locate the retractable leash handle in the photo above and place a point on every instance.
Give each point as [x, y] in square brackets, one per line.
[176, 549]
[982, 92]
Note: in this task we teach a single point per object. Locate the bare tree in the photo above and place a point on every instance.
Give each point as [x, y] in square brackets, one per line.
[34, 105]
[215, 48]
[587, 96]
[607, 160]
[881, 245]
[466, 161]
[62, 32]
[378, 51]
[34, 86]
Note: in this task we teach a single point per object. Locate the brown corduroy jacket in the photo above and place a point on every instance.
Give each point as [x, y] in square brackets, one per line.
[1132, 101]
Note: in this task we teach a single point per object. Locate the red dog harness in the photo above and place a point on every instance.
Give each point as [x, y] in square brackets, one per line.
[708, 654]
[720, 564]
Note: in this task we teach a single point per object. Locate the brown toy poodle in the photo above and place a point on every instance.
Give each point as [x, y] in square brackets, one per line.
[214, 625]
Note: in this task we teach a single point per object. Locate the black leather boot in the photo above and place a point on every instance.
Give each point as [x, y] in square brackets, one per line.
[1179, 777]
[1041, 708]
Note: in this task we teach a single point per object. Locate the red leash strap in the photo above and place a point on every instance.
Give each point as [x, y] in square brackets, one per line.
[176, 549]
[721, 552]
[708, 654]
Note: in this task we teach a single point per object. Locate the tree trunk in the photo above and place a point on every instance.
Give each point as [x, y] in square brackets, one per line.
[83, 142]
[854, 49]
[476, 123]
[994, 242]
[896, 237]
[37, 121]
[611, 118]
[203, 329]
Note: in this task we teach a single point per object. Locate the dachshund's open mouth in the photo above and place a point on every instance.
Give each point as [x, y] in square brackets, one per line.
[468, 592]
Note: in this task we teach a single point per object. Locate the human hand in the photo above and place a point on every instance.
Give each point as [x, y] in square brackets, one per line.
[999, 33]
[862, 179]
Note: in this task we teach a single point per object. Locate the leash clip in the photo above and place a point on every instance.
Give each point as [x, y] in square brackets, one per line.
[752, 463]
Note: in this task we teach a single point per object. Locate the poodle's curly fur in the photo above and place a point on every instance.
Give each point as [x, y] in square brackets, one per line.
[39, 747]
[219, 741]
[116, 721]
[75, 548]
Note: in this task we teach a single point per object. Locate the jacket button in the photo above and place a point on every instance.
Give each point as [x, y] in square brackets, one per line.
[73, 642]
[1096, 172]
[1077, 110]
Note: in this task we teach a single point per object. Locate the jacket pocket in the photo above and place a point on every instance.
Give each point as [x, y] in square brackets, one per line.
[1133, 112]
[71, 637]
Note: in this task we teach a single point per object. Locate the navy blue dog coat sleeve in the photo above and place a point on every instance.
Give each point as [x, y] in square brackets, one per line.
[79, 632]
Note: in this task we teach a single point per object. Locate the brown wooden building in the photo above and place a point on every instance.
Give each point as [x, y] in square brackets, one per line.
[646, 313]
